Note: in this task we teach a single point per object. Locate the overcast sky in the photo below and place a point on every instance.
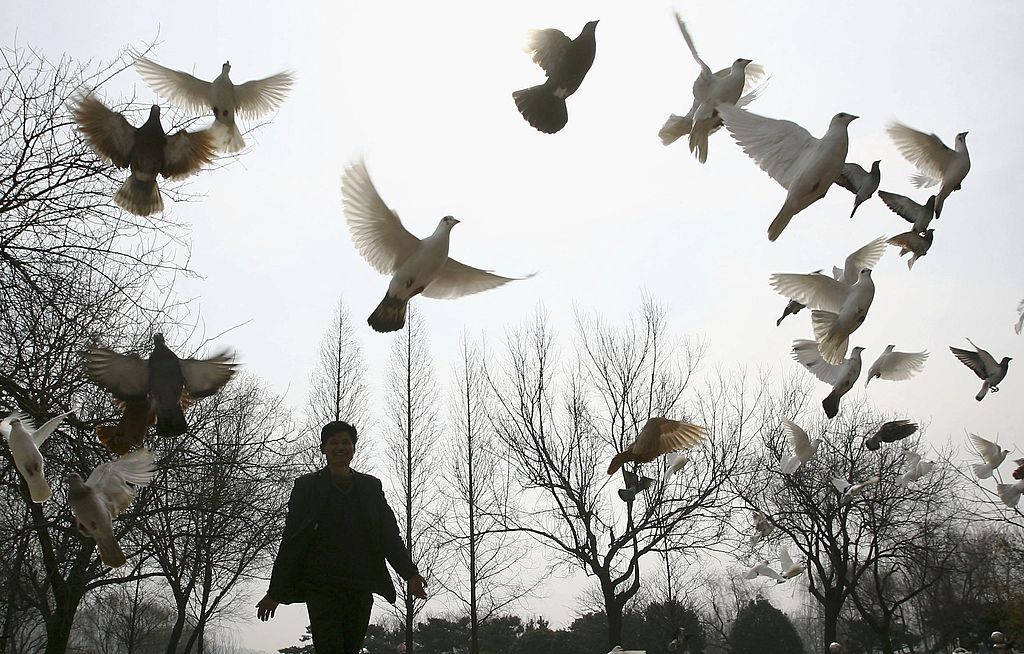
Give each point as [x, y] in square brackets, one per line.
[601, 210]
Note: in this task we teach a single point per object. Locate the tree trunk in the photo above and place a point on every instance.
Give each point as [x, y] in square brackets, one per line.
[409, 644]
[613, 609]
[58, 627]
[474, 625]
[833, 605]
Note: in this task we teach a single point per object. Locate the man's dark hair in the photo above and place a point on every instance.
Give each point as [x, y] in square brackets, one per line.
[336, 427]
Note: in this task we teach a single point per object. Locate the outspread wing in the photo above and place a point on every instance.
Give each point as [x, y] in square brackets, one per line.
[107, 131]
[705, 69]
[260, 96]
[40, 435]
[376, 231]
[901, 205]
[806, 352]
[813, 290]
[852, 177]
[988, 450]
[896, 430]
[456, 279]
[204, 377]
[184, 90]
[899, 366]
[779, 147]
[548, 47]
[110, 480]
[926, 151]
[126, 376]
[798, 440]
[861, 258]
[186, 152]
[785, 560]
[971, 360]
[986, 359]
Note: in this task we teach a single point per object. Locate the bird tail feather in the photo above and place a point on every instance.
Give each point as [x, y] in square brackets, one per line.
[389, 316]
[674, 128]
[38, 489]
[833, 348]
[170, 419]
[227, 138]
[138, 197]
[699, 138]
[984, 391]
[831, 405]
[779, 224]
[542, 108]
[110, 552]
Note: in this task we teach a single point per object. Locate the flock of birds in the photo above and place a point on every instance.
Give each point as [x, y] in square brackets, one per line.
[154, 391]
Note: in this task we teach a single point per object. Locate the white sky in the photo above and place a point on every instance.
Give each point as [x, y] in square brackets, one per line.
[601, 210]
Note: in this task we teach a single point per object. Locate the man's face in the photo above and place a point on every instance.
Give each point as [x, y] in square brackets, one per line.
[338, 448]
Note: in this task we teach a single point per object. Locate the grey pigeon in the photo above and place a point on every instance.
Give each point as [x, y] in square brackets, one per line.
[936, 163]
[163, 379]
[896, 366]
[792, 308]
[634, 486]
[805, 166]
[24, 440]
[841, 377]
[918, 215]
[890, 432]
[415, 265]
[860, 182]
[913, 242]
[984, 366]
[146, 150]
[565, 62]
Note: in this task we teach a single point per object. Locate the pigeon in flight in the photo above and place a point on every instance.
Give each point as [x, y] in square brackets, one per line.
[936, 163]
[918, 244]
[658, 436]
[913, 469]
[896, 366]
[1010, 493]
[634, 486]
[146, 150]
[1020, 319]
[790, 568]
[918, 215]
[164, 380]
[225, 99]
[762, 528]
[792, 308]
[137, 416]
[840, 309]
[850, 491]
[805, 166]
[1019, 472]
[991, 454]
[802, 446]
[677, 464]
[984, 366]
[890, 432]
[727, 86]
[415, 265]
[565, 62]
[860, 182]
[25, 440]
[764, 570]
[841, 377]
[107, 492]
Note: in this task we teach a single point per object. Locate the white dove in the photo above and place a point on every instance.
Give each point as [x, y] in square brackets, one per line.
[860, 182]
[896, 366]
[914, 468]
[803, 447]
[1020, 319]
[805, 166]
[763, 570]
[851, 491]
[918, 243]
[866, 256]
[727, 86]
[415, 265]
[918, 215]
[936, 162]
[25, 441]
[789, 568]
[1010, 493]
[226, 99]
[109, 490]
[762, 528]
[841, 377]
[677, 464]
[840, 308]
[991, 453]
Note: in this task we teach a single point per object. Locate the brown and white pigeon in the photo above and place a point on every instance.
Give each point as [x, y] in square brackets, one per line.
[763, 528]
[915, 243]
[146, 150]
[565, 62]
[658, 436]
[224, 98]
[936, 163]
[137, 416]
[984, 366]
[164, 380]
[107, 492]
[25, 440]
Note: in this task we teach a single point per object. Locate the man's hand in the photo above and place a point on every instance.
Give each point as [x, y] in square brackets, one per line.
[266, 607]
[416, 587]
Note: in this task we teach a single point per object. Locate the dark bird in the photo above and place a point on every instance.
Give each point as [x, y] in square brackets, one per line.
[634, 486]
[147, 150]
[917, 243]
[792, 308]
[890, 432]
[565, 62]
[984, 366]
[918, 215]
[860, 182]
[164, 380]
[1019, 472]
[137, 416]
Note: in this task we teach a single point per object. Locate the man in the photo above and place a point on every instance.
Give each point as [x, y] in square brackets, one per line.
[338, 532]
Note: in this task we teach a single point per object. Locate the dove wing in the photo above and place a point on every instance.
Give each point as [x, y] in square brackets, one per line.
[910, 461]
[456, 279]
[840, 484]
[926, 151]
[814, 290]
[852, 177]
[126, 377]
[779, 147]
[785, 560]
[676, 435]
[970, 359]
[899, 366]
[629, 478]
[753, 76]
[188, 92]
[896, 430]
[806, 352]
[260, 96]
[861, 258]
[548, 47]
[376, 231]
[186, 152]
[798, 440]
[907, 240]
[704, 68]
[901, 205]
[204, 377]
[110, 479]
[986, 448]
[40, 435]
[107, 131]
[987, 360]
[1020, 320]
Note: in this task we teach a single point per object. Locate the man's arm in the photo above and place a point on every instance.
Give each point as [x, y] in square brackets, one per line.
[298, 509]
[394, 547]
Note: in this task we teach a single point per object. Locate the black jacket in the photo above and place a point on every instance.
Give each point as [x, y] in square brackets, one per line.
[307, 500]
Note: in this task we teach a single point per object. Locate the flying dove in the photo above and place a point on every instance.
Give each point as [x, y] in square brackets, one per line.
[840, 309]
[984, 366]
[860, 182]
[107, 492]
[762, 527]
[763, 570]
[805, 166]
[802, 446]
[1019, 472]
[225, 99]
[890, 432]
[677, 464]
[658, 436]
[565, 62]
[164, 380]
[727, 86]
[634, 486]
[935, 162]
[896, 366]
[841, 377]
[792, 308]
[918, 244]
[789, 568]
[415, 265]
[918, 215]
[850, 491]
[913, 469]
[992, 456]
[1020, 319]
[1010, 493]
[137, 416]
[25, 440]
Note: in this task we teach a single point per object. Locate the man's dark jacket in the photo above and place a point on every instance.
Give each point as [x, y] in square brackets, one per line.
[308, 498]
